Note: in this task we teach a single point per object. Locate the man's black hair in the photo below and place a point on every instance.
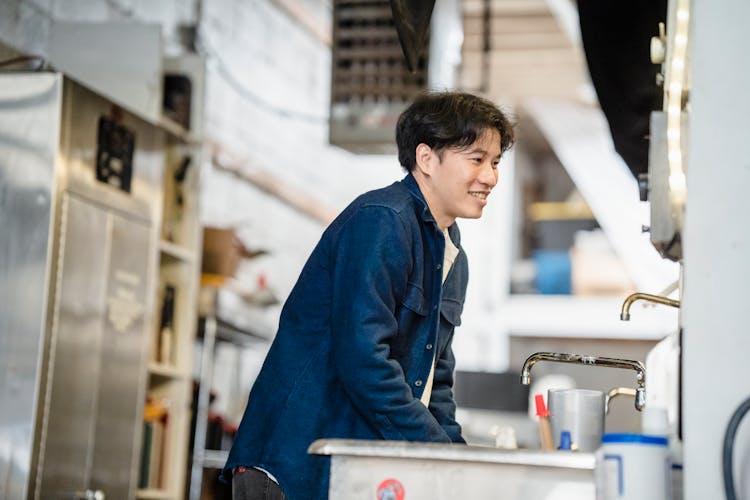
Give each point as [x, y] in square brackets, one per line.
[448, 120]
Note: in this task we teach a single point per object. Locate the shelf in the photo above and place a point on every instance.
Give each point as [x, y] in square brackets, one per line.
[153, 493]
[178, 131]
[586, 317]
[176, 251]
[215, 459]
[231, 333]
[557, 211]
[165, 371]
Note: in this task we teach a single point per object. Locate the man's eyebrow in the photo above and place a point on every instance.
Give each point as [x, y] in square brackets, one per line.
[481, 151]
[477, 150]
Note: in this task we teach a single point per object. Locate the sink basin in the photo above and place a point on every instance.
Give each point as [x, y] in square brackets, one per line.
[397, 470]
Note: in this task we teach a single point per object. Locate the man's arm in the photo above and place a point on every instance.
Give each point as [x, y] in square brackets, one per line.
[371, 260]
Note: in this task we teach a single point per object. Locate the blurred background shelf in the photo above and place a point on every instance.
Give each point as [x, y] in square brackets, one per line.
[153, 494]
[176, 251]
[166, 371]
[585, 317]
[215, 459]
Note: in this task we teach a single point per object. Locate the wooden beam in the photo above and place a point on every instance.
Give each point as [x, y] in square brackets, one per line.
[507, 7]
[524, 24]
[294, 197]
[518, 41]
[317, 27]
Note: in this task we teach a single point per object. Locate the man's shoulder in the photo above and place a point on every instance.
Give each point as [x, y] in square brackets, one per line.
[396, 196]
[390, 201]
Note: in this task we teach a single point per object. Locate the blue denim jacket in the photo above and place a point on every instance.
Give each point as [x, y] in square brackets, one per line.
[356, 341]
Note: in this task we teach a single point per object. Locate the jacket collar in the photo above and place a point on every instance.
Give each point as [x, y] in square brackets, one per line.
[411, 184]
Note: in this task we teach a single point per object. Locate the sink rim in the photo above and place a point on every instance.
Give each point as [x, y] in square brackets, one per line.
[452, 452]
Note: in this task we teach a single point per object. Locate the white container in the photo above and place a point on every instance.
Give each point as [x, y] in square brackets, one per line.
[633, 467]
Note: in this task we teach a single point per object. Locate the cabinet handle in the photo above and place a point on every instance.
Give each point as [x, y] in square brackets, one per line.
[89, 495]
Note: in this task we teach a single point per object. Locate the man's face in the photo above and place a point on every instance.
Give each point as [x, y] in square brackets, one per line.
[462, 180]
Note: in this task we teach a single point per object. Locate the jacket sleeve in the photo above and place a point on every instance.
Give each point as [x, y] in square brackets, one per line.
[371, 260]
[442, 404]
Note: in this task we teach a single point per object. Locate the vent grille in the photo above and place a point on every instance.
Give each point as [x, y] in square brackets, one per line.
[370, 84]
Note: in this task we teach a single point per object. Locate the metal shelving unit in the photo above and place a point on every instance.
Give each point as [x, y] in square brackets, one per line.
[213, 330]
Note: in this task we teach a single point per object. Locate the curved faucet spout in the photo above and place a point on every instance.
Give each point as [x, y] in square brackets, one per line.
[625, 312]
[558, 357]
[617, 391]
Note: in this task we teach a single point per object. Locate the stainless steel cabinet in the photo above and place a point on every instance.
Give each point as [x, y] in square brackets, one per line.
[77, 286]
[29, 123]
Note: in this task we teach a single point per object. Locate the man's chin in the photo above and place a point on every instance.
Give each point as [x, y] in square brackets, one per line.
[472, 216]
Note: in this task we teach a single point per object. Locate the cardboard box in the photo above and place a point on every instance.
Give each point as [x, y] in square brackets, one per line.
[221, 251]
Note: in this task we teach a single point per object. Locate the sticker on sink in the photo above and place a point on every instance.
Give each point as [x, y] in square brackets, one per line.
[390, 489]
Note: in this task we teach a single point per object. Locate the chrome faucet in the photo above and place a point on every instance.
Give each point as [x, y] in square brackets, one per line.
[637, 366]
[625, 313]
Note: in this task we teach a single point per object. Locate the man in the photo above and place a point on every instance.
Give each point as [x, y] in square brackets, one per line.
[363, 349]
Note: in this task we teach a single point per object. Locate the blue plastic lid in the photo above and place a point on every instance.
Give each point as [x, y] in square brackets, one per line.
[635, 439]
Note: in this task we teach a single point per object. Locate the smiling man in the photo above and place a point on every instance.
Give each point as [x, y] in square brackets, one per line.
[363, 349]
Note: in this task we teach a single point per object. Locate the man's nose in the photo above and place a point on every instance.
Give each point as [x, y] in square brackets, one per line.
[488, 175]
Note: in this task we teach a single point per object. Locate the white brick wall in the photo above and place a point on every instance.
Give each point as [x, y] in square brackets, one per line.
[267, 98]
[267, 101]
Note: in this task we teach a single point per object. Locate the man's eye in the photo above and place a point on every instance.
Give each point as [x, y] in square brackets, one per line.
[476, 160]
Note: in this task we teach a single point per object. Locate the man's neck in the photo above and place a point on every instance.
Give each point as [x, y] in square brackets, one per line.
[443, 221]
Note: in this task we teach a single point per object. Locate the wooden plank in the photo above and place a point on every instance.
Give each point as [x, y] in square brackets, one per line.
[506, 7]
[521, 56]
[316, 26]
[525, 41]
[534, 23]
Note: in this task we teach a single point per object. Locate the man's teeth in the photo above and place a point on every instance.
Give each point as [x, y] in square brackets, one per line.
[481, 196]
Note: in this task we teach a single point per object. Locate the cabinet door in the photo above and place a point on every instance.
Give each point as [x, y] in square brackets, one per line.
[74, 366]
[122, 379]
[97, 358]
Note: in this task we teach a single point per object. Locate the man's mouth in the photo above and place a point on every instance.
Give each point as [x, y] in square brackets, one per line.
[482, 195]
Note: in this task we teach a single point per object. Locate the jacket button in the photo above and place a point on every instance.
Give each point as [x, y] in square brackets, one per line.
[418, 383]
[428, 346]
[438, 267]
[434, 308]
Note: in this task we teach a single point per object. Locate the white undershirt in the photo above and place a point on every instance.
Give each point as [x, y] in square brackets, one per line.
[451, 252]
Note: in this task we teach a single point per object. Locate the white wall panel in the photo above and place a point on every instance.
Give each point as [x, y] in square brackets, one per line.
[716, 240]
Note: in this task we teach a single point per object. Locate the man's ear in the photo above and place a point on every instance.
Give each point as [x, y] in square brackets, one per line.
[425, 157]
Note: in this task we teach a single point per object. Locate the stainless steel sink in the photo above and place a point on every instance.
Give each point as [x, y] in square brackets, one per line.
[370, 470]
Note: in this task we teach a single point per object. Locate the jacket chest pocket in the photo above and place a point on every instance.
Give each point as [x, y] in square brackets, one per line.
[450, 317]
[414, 300]
[450, 310]
[412, 319]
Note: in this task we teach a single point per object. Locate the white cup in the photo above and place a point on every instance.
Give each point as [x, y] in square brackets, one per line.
[580, 412]
[633, 467]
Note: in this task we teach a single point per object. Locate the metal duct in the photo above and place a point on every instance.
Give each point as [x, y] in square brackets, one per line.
[412, 20]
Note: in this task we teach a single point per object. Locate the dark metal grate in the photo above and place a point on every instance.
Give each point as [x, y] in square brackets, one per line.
[370, 83]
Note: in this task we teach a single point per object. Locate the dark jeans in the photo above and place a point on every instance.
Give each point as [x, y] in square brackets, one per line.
[252, 484]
